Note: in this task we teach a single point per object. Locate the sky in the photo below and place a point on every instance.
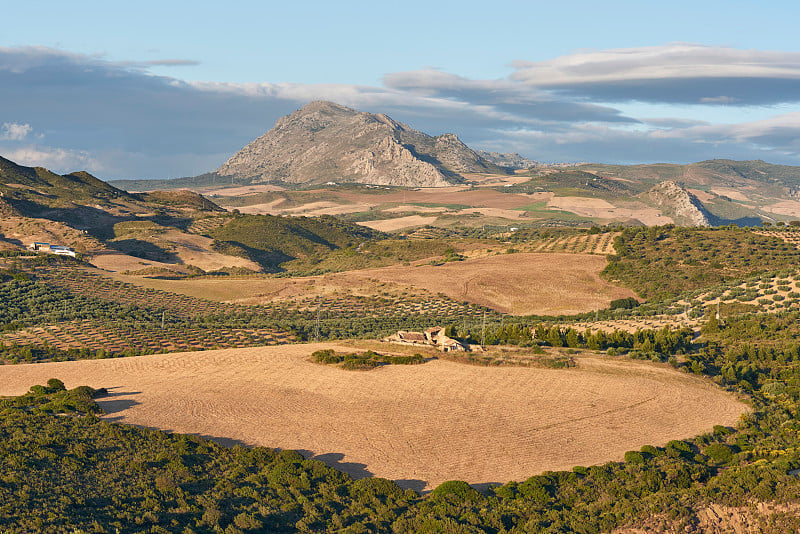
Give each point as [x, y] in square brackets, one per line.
[166, 89]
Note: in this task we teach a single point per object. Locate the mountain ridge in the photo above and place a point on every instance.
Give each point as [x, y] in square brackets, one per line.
[327, 142]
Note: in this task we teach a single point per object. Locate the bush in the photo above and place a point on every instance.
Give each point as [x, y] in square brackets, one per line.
[678, 449]
[375, 487]
[624, 304]
[719, 452]
[54, 384]
[634, 457]
[458, 489]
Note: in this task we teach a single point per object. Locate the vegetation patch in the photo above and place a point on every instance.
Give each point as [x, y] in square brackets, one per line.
[363, 361]
[662, 262]
[271, 240]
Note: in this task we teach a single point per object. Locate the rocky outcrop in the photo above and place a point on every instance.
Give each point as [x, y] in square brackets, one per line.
[509, 160]
[677, 202]
[325, 142]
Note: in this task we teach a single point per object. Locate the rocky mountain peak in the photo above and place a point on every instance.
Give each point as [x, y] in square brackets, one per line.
[680, 204]
[327, 142]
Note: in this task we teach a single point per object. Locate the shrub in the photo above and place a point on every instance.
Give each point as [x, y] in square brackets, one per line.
[624, 304]
[649, 449]
[677, 449]
[634, 457]
[375, 487]
[719, 452]
[54, 384]
[458, 489]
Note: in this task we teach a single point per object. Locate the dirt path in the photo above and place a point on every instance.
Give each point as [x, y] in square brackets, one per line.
[420, 425]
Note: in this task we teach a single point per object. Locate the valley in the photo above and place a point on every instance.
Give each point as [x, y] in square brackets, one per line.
[632, 336]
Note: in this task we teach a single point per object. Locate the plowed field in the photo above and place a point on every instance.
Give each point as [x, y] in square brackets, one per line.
[420, 425]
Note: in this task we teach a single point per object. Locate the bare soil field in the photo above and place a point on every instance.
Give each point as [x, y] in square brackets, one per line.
[524, 283]
[486, 198]
[784, 207]
[22, 231]
[237, 191]
[419, 425]
[390, 225]
[701, 195]
[731, 193]
[602, 209]
[187, 249]
[521, 284]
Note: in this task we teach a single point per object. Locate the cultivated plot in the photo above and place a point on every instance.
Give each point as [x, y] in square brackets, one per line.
[419, 425]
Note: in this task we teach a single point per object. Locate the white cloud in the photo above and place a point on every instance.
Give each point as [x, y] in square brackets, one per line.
[676, 72]
[13, 131]
[56, 159]
[119, 120]
[675, 60]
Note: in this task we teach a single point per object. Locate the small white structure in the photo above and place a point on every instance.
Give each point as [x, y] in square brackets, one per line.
[61, 250]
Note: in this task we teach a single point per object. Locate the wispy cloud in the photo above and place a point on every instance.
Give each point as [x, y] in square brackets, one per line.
[678, 72]
[52, 158]
[520, 102]
[172, 63]
[13, 131]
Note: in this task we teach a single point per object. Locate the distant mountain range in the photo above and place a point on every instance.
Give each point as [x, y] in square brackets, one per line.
[508, 160]
[325, 142]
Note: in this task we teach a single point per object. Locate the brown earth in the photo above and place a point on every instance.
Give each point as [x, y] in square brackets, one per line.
[755, 518]
[399, 223]
[602, 209]
[419, 425]
[525, 283]
[521, 284]
[188, 249]
[22, 231]
[448, 195]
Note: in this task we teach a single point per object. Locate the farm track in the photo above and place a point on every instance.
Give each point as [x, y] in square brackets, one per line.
[420, 424]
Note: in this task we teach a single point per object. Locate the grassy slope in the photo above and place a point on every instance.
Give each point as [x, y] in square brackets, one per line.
[272, 240]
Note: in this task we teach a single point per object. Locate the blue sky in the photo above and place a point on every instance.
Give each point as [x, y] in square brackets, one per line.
[164, 89]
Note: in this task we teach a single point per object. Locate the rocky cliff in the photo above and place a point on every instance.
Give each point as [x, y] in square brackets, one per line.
[325, 142]
[680, 204]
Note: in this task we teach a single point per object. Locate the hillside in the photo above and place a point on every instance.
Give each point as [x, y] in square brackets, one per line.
[678, 203]
[325, 142]
[509, 160]
[710, 173]
[23, 186]
[272, 240]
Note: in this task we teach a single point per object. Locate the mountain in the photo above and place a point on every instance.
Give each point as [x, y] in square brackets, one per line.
[509, 160]
[325, 142]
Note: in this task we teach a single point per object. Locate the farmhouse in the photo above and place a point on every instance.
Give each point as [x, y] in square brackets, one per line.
[434, 337]
[61, 250]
